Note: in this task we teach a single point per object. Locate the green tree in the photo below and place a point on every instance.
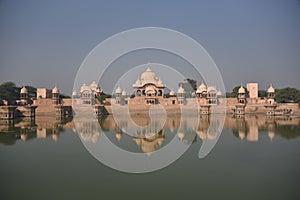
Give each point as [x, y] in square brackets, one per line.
[262, 93]
[230, 95]
[9, 92]
[31, 91]
[286, 95]
[192, 83]
[103, 96]
[189, 86]
[64, 96]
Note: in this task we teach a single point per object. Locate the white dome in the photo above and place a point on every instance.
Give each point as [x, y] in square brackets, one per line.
[55, 90]
[159, 81]
[211, 88]
[118, 90]
[172, 93]
[219, 93]
[148, 76]
[24, 90]
[93, 84]
[271, 89]
[138, 82]
[74, 93]
[123, 93]
[180, 90]
[201, 88]
[242, 90]
[84, 87]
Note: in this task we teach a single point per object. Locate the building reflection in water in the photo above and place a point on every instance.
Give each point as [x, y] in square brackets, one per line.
[250, 127]
[88, 129]
[150, 138]
[40, 127]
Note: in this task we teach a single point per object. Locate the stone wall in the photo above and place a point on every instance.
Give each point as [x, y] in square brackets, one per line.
[45, 106]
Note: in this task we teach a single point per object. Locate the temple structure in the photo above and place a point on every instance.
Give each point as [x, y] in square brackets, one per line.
[24, 107]
[87, 95]
[149, 87]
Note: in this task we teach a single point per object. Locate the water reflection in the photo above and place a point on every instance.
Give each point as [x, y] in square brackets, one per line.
[190, 130]
[31, 128]
[250, 127]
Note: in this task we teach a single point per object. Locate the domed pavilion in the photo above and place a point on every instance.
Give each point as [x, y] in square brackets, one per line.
[149, 86]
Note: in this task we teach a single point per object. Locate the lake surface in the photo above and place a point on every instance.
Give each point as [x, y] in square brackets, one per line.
[255, 158]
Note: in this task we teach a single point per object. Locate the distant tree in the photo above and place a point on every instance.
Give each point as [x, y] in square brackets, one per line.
[9, 92]
[189, 86]
[31, 91]
[262, 93]
[103, 96]
[286, 95]
[64, 96]
[230, 95]
[193, 83]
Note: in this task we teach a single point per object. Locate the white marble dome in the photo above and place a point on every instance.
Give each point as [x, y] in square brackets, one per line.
[118, 90]
[24, 90]
[55, 90]
[242, 90]
[93, 84]
[180, 90]
[201, 88]
[149, 76]
[138, 82]
[172, 93]
[271, 89]
[159, 81]
[84, 87]
[74, 93]
[212, 89]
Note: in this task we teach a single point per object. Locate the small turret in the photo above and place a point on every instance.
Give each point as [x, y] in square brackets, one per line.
[242, 95]
[181, 95]
[271, 95]
[118, 95]
[24, 95]
[55, 96]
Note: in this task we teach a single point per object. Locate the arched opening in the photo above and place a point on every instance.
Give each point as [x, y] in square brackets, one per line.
[159, 93]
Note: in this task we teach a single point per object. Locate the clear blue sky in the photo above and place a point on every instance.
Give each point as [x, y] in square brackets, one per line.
[43, 43]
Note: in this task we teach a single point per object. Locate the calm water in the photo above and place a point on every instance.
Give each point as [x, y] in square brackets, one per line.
[255, 158]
